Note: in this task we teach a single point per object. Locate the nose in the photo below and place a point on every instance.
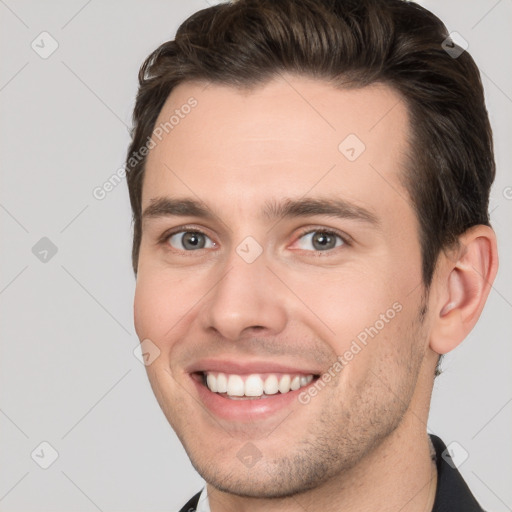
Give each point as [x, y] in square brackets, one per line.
[246, 297]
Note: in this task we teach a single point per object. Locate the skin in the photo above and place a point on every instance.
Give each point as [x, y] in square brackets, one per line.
[361, 442]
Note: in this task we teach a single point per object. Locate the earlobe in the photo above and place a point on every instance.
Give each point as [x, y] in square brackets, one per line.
[463, 284]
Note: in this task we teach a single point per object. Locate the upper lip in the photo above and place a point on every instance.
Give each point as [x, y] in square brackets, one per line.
[247, 367]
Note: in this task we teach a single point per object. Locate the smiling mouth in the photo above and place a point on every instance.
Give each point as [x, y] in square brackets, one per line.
[253, 386]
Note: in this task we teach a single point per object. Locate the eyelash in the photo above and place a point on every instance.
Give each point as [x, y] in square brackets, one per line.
[163, 240]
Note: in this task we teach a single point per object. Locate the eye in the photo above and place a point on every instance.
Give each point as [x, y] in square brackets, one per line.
[189, 240]
[320, 240]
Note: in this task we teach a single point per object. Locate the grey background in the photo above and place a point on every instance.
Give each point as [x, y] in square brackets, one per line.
[68, 372]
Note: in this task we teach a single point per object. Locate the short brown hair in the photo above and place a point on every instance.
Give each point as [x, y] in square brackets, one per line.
[349, 43]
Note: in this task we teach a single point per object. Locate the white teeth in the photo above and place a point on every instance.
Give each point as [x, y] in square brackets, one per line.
[271, 386]
[235, 385]
[254, 385]
[222, 383]
[211, 380]
[284, 384]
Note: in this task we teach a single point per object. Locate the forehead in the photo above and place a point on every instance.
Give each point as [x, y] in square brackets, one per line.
[293, 134]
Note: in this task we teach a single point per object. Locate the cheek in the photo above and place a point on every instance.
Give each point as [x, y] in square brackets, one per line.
[155, 306]
[146, 307]
[347, 303]
[164, 303]
[366, 319]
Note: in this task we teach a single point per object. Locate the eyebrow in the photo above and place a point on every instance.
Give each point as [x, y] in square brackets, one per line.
[273, 209]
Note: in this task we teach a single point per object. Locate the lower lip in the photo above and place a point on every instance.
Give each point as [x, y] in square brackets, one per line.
[246, 410]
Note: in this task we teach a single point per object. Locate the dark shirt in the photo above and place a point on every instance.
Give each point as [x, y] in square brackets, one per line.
[452, 493]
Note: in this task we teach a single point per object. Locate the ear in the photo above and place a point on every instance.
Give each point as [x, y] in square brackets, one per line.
[463, 283]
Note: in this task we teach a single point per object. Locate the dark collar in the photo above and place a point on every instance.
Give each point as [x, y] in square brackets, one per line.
[452, 493]
[191, 504]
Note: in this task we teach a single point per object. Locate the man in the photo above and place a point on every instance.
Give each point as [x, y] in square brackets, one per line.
[309, 182]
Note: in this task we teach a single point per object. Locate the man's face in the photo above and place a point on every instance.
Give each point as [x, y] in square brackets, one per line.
[256, 301]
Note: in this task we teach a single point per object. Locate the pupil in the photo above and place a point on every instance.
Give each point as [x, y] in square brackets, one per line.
[193, 240]
[323, 239]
